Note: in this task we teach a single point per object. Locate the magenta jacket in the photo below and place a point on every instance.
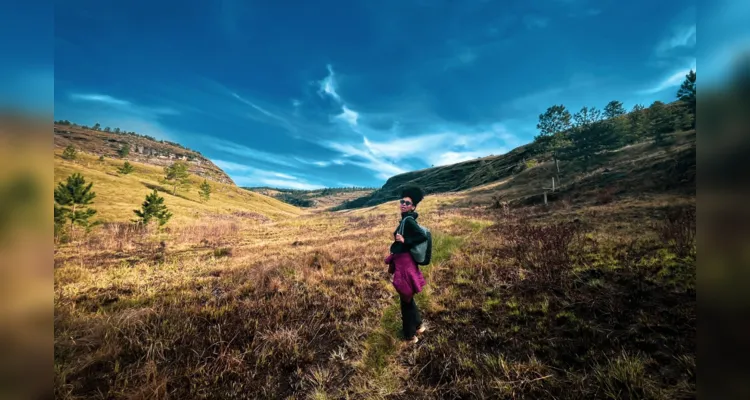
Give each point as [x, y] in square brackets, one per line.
[407, 278]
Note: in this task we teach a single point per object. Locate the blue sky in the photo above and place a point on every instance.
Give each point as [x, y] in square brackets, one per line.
[349, 93]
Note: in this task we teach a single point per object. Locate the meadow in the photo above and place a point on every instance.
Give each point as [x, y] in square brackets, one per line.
[246, 297]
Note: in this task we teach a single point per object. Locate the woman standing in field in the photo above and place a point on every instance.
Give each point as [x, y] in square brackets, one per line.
[407, 278]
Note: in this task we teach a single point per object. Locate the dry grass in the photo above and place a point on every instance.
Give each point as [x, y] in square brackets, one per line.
[238, 306]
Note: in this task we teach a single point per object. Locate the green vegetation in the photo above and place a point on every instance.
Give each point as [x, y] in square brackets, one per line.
[204, 191]
[124, 150]
[72, 201]
[69, 153]
[177, 176]
[126, 168]
[153, 208]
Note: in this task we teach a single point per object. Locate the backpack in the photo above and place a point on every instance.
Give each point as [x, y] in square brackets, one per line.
[422, 252]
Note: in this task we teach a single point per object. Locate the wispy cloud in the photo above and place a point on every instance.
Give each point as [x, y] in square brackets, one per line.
[246, 152]
[535, 21]
[246, 175]
[328, 85]
[674, 79]
[681, 36]
[99, 98]
[349, 116]
[453, 157]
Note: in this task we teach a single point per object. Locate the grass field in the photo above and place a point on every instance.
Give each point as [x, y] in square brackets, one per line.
[579, 300]
[118, 195]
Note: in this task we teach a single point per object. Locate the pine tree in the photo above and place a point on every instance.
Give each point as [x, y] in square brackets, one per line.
[124, 150]
[107, 129]
[552, 126]
[153, 207]
[96, 127]
[613, 109]
[660, 121]
[126, 168]
[101, 158]
[205, 191]
[687, 92]
[177, 175]
[69, 153]
[73, 197]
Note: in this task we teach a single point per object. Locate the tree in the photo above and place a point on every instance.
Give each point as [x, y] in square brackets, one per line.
[660, 121]
[117, 130]
[205, 191]
[153, 207]
[101, 158]
[586, 117]
[97, 127]
[637, 119]
[107, 129]
[69, 153]
[587, 140]
[555, 119]
[124, 150]
[613, 109]
[687, 92]
[177, 175]
[73, 197]
[126, 168]
[552, 126]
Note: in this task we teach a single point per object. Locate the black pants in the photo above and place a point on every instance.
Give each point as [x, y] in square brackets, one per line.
[410, 316]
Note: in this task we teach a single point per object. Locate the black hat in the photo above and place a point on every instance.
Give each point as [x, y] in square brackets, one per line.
[415, 193]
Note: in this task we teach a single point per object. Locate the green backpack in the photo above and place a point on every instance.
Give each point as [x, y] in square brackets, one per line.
[422, 252]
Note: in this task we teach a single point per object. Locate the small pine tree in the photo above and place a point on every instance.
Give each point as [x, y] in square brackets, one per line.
[73, 197]
[124, 150]
[153, 207]
[69, 153]
[126, 168]
[101, 158]
[117, 130]
[107, 129]
[205, 191]
[176, 175]
[97, 127]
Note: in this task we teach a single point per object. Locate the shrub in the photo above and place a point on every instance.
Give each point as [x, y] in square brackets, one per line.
[678, 229]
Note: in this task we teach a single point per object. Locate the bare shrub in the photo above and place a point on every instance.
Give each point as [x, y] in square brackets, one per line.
[678, 229]
[542, 249]
[605, 196]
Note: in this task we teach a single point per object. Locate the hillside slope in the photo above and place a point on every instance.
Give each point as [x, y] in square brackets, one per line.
[142, 149]
[118, 195]
[318, 199]
[522, 174]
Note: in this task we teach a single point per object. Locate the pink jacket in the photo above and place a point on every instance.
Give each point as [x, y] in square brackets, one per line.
[407, 278]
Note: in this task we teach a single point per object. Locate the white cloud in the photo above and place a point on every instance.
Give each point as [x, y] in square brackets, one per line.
[286, 184]
[99, 98]
[246, 152]
[671, 81]
[350, 116]
[682, 36]
[453, 157]
[328, 85]
[383, 168]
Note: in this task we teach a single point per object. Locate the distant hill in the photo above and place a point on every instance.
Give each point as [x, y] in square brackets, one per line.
[655, 144]
[318, 198]
[143, 149]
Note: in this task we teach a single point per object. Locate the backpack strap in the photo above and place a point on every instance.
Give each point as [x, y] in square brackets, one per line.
[403, 224]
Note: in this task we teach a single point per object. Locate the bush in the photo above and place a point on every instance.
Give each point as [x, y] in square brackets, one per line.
[544, 250]
[678, 230]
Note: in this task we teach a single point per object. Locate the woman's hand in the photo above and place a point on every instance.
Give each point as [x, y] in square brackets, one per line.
[399, 238]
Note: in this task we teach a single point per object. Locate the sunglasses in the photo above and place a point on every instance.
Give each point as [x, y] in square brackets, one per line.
[408, 203]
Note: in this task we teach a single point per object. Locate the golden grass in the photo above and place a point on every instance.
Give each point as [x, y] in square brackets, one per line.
[298, 305]
[118, 195]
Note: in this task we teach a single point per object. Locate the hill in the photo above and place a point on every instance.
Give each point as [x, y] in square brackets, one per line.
[117, 195]
[143, 149]
[321, 199]
[652, 149]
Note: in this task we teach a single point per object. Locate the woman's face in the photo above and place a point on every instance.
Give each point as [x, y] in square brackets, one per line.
[406, 205]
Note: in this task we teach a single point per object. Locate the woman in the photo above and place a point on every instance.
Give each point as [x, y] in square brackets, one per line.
[407, 278]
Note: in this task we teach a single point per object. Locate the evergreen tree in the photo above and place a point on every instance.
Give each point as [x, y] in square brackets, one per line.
[660, 121]
[613, 109]
[69, 153]
[126, 168]
[177, 175]
[117, 130]
[687, 92]
[97, 127]
[73, 198]
[637, 119]
[552, 126]
[153, 207]
[101, 158]
[124, 150]
[107, 129]
[205, 190]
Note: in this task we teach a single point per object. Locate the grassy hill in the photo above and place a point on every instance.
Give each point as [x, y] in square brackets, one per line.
[118, 195]
[650, 149]
[143, 149]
